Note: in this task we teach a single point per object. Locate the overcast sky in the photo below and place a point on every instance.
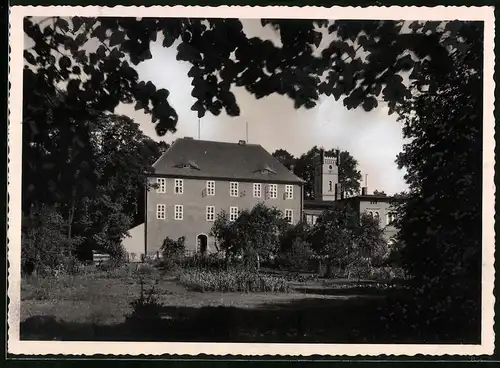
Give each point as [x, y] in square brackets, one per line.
[373, 138]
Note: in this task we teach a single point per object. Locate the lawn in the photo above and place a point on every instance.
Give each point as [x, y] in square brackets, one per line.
[95, 306]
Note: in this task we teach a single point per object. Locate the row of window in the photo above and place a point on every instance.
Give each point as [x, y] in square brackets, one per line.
[390, 217]
[271, 190]
[161, 213]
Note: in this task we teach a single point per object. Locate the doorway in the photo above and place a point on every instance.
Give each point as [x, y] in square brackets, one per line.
[202, 243]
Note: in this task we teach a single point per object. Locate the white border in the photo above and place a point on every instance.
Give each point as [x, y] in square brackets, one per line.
[15, 346]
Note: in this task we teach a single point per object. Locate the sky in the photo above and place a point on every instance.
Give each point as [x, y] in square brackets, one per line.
[372, 138]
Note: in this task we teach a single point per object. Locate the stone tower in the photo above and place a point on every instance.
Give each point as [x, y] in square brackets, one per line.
[326, 177]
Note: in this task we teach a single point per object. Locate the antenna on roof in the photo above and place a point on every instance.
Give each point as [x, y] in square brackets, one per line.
[246, 131]
[199, 128]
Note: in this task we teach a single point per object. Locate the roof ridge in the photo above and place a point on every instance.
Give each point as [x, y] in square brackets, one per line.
[219, 142]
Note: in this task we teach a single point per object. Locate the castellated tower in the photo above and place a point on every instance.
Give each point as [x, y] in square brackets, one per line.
[326, 177]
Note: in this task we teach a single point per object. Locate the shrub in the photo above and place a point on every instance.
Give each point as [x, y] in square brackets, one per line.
[232, 281]
[173, 252]
[146, 308]
[297, 257]
[45, 247]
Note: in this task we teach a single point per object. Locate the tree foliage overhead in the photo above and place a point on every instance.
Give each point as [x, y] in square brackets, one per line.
[362, 63]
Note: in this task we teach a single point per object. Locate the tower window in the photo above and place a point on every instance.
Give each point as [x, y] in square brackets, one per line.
[330, 186]
[330, 167]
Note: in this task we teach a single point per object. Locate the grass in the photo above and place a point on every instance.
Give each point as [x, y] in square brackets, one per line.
[94, 306]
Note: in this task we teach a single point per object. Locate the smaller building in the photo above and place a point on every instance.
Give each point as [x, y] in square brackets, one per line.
[328, 192]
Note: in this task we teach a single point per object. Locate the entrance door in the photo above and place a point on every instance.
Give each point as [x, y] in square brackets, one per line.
[202, 243]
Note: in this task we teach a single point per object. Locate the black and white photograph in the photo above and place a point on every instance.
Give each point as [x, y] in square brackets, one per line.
[253, 180]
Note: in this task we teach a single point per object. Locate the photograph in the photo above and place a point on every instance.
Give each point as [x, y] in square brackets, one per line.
[312, 185]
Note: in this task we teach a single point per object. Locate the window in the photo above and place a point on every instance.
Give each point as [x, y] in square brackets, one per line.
[370, 213]
[179, 212]
[311, 219]
[210, 187]
[162, 185]
[272, 191]
[377, 216]
[210, 213]
[257, 189]
[289, 216]
[179, 186]
[373, 202]
[330, 186]
[233, 213]
[233, 189]
[390, 218]
[289, 191]
[161, 211]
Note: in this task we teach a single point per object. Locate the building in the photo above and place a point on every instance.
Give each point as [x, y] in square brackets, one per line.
[327, 192]
[194, 180]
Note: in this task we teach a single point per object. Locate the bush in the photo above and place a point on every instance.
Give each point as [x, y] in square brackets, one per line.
[297, 257]
[45, 248]
[173, 252]
[146, 309]
[232, 281]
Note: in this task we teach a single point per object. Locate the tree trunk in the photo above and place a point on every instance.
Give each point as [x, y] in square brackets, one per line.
[71, 214]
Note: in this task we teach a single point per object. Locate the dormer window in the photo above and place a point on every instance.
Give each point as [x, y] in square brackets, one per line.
[188, 165]
[266, 170]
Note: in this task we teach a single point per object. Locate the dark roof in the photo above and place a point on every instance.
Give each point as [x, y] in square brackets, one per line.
[316, 204]
[188, 157]
[370, 197]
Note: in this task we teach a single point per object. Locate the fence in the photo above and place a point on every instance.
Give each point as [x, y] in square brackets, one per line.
[100, 258]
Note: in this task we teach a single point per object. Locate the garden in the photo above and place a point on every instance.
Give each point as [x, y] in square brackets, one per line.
[284, 284]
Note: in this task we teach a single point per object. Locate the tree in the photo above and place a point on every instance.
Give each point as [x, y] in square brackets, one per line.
[253, 236]
[440, 221]
[348, 239]
[295, 250]
[349, 175]
[96, 168]
[45, 246]
[285, 157]
[380, 193]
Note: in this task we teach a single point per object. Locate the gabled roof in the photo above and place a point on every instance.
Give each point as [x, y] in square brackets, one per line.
[188, 157]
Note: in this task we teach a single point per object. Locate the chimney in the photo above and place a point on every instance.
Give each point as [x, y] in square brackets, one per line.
[364, 191]
[292, 167]
[242, 142]
[338, 191]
